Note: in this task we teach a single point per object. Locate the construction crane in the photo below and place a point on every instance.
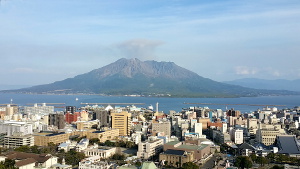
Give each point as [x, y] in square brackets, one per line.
[266, 105]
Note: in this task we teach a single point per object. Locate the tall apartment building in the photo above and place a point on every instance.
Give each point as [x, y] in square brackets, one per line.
[103, 116]
[72, 117]
[163, 127]
[233, 113]
[121, 121]
[57, 119]
[238, 136]
[149, 148]
[70, 109]
[6, 112]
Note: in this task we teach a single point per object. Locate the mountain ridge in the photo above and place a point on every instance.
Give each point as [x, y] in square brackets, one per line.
[277, 84]
[147, 78]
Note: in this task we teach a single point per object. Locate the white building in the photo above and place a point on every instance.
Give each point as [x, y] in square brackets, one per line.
[93, 163]
[82, 145]
[238, 136]
[102, 152]
[11, 127]
[44, 109]
[198, 128]
[149, 148]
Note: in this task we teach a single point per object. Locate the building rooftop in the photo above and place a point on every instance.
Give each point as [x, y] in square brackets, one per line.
[288, 144]
[172, 142]
[174, 152]
[193, 147]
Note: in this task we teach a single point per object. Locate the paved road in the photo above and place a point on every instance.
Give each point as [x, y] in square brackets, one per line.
[210, 163]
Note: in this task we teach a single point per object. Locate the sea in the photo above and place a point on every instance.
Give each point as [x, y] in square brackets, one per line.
[243, 104]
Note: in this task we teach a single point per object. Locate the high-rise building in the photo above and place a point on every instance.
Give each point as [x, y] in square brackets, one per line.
[164, 127]
[57, 119]
[121, 121]
[234, 113]
[103, 116]
[238, 136]
[72, 117]
[70, 109]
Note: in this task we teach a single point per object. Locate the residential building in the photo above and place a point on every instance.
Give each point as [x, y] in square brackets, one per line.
[121, 121]
[162, 127]
[238, 136]
[103, 116]
[70, 109]
[72, 117]
[57, 119]
[41, 160]
[150, 148]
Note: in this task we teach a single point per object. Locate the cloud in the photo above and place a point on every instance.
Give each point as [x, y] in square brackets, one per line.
[139, 48]
[244, 70]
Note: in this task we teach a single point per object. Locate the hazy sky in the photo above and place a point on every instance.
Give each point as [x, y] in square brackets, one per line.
[43, 41]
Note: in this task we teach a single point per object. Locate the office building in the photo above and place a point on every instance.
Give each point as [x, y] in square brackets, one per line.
[121, 121]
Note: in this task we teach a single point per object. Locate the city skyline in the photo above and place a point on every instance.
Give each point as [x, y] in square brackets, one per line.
[46, 41]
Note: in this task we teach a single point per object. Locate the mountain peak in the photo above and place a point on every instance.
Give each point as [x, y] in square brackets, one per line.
[132, 67]
[132, 76]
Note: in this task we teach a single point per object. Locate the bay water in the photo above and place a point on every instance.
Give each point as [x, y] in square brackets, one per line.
[244, 104]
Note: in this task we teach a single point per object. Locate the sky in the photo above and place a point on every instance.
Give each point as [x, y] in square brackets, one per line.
[43, 41]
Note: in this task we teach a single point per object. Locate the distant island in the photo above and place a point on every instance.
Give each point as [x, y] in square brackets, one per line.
[132, 77]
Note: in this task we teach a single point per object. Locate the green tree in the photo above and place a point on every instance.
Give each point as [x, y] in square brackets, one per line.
[118, 157]
[138, 164]
[277, 167]
[261, 160]
[243, 162]
[24, 148]
[129, 144]
[189, 165]
[253, 157]
[271, 157]
[73, 158]
[94, 140]
[109, 143]
[35, 149]
[8, 164]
